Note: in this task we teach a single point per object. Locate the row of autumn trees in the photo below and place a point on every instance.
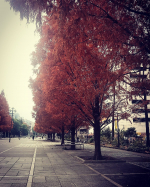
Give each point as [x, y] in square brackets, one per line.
[83, 60]
[5, 118]
[7, 124]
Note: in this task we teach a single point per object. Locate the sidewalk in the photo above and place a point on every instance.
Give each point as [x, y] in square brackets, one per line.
[51, 166]
[62, 169]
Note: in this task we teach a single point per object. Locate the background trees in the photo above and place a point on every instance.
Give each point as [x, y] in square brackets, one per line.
[5, 119]
[19, 128]
[24, 130]
[130, 132]
[16, 127]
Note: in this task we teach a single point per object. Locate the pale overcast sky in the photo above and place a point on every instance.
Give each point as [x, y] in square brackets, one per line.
[17, 41]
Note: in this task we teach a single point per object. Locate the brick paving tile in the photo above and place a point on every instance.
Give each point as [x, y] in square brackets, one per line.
[5, 185]
[18, 185]
[46, 185]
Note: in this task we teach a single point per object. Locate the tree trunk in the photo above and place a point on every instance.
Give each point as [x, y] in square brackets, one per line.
[62, 136]
[97, 153]
[147, 123]
[50, 136]
[96, 114]
[118, 139]
[113, 126]
[118, 131]
[54, 137]
[73, 136]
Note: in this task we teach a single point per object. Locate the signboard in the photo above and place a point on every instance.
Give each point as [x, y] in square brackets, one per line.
[107, 121]
[140, 111]
[139, 101]
[134, 75]
[116, 125]
[138, 120]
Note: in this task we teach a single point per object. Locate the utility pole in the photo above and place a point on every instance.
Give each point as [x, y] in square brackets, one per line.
[144, 92]
[20, 128]
[113, 119]
[146, 115]
[118, 131]
[11, 112]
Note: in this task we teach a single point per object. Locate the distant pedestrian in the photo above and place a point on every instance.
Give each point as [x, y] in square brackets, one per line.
[33, 137]
[9, 137]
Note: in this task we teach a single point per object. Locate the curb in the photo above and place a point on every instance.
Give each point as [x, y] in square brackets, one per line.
[99, 161]
[126, 150]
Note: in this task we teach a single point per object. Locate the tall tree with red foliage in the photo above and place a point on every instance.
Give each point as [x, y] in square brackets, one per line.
[52, 115]
[5, 119]
[78, 78]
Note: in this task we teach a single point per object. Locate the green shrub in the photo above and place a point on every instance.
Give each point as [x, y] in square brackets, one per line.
[106, 132]
[125, 143]
[114, 142]
[67, 137]
[91, 140]
[137, 147]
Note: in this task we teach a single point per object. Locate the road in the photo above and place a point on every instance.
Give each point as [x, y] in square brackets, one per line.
[37, 163]
[16, 161]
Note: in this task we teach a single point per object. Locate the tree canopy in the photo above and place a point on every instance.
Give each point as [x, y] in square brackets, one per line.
[5, 119]
[123, 24]
[75, 80]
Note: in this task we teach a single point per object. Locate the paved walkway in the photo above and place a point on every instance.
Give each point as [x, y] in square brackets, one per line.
[50, 165]
[140, 159]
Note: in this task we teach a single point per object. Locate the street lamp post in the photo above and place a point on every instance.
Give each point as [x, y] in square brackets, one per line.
[20, 128]
[11, 112]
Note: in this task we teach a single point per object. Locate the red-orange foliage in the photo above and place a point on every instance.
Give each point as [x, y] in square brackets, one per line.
[5, 119]
[104, 22]
[86, 48]
[76, 80]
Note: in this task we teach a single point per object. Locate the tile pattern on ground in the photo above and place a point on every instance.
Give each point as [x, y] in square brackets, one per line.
[61, 169]
[57, 167]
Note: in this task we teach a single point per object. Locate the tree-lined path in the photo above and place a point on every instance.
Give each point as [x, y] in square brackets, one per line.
[41, 163]
[88, 64]
[28, 163]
